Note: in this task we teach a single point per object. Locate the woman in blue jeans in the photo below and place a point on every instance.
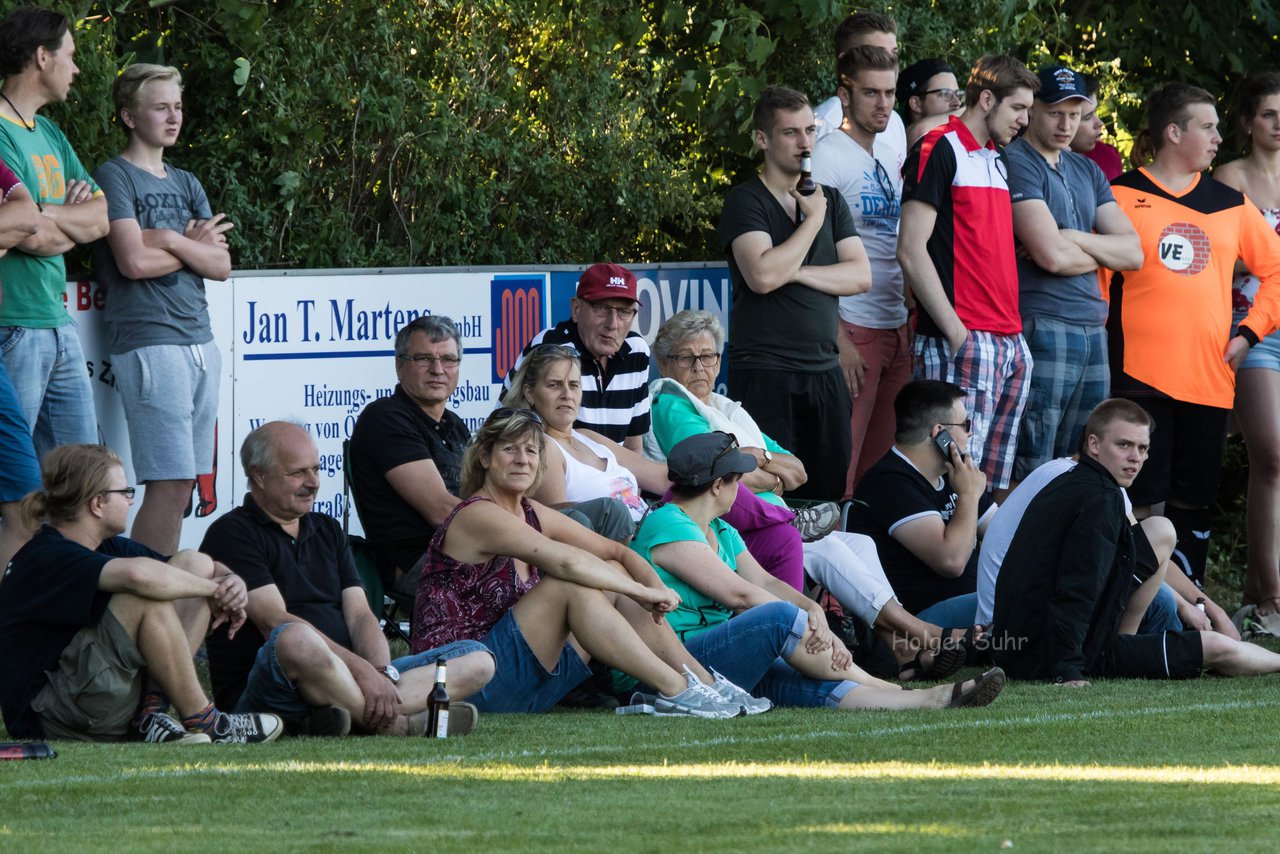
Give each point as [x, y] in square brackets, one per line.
[739, 621]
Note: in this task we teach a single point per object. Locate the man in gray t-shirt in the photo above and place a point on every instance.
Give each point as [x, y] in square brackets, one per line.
[1068, 226]
[163, 243]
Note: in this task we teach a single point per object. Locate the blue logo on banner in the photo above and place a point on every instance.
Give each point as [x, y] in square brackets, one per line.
[518, 310]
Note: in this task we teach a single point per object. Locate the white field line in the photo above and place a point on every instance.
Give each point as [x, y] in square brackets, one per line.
[466, 762]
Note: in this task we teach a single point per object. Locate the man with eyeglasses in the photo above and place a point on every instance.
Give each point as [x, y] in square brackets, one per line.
[615, 358]
[97, 631]
[927, 94]
[406, 449]
[1068, 224]
[925, 507]
[863, 164]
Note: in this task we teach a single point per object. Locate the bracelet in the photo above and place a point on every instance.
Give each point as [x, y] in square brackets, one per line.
[780, 485]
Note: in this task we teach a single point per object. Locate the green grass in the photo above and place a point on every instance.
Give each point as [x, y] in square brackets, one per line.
[1122, 765]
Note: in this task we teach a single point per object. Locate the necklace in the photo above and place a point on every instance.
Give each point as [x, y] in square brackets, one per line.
[31, 128]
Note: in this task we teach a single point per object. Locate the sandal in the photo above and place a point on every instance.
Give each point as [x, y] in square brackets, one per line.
[985, 689]
[947, 660]
[967, 645]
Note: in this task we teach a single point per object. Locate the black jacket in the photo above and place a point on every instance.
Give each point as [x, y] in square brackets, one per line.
[1066, 578]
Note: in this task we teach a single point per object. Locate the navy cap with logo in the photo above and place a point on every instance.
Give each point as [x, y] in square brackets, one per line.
[702, 458]
[1060, 83]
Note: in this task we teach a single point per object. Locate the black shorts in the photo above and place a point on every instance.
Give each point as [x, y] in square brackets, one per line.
[1185, 460]
[1145, 562]
[1169, 655]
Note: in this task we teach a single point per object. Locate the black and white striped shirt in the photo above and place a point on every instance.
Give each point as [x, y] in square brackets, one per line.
[615, 400]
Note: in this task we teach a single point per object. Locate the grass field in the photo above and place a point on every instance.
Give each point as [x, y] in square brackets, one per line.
[1128, 766]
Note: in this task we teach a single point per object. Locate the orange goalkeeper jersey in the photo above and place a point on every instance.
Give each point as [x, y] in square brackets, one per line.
[1171, 319]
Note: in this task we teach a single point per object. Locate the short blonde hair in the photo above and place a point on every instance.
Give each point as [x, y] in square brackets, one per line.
[124, 92]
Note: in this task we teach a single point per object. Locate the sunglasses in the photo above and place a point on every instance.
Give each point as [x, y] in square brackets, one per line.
[511, 412]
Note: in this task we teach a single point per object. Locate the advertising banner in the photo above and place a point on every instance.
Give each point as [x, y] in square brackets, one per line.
[317, 347]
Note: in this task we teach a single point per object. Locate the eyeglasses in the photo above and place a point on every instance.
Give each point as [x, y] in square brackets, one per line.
[602, 311]
[885, 181]
[430, 360]
[128, 492]
[686, 360]
[967, 424]
[511, 412]
[947, 94]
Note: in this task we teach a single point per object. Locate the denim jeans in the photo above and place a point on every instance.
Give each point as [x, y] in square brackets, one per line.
[48, 372]
[1162, 613]
[956, 612]
[750, 651]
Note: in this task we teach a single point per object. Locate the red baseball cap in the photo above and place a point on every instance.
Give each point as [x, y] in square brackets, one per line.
[607, 281]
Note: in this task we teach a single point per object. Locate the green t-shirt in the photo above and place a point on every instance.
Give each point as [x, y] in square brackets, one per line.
[670, 524]
[697, 611]
[674, 417]
[33, 284]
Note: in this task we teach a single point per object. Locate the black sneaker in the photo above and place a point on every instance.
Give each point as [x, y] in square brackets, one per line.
[159, 727]
[321, 722]
[251, 728]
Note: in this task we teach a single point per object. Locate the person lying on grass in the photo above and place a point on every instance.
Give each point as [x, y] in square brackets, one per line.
[544, 594]
[741, 622]
[1067, 580]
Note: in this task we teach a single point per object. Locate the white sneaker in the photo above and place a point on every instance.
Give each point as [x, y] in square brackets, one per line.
[731, 692]
[698, 701]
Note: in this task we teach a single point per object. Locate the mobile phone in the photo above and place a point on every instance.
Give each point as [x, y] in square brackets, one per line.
[945, 442]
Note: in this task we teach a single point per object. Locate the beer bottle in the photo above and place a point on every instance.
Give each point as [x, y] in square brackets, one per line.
[805, 185]
[438, 705]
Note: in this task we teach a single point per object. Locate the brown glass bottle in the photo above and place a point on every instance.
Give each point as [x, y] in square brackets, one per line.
[438, 705]
[805, 185]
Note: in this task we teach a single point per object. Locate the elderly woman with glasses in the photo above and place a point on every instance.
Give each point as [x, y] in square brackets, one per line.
[544, 594]
[740, 621]
[685, 403]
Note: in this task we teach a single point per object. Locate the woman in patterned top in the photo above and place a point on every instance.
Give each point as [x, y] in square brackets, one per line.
[545, 594]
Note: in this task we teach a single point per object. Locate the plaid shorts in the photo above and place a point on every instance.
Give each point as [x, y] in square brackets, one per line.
[1072, 376]
[994, 371]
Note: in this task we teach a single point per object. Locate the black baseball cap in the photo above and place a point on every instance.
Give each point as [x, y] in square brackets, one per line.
[917, 75]
[1060, 83]
[702, 458]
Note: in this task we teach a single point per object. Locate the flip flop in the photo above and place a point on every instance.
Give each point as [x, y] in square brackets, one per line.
[947, 660]
[985, 689]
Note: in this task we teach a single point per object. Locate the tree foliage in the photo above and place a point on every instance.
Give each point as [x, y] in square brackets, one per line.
[343, 133]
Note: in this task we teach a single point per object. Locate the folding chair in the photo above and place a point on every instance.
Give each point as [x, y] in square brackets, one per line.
[386, 606]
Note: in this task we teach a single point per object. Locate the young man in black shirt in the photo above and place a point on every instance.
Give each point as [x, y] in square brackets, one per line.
[97, 632]
[791, 257]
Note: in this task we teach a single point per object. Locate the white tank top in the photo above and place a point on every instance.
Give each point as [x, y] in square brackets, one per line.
[583, 482]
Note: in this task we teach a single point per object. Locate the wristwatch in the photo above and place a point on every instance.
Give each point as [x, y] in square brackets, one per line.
[391, 673]
[768, 458]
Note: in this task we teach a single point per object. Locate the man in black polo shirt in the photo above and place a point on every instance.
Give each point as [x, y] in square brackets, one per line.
[324, 663]
[615, 359]
[406, 449]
